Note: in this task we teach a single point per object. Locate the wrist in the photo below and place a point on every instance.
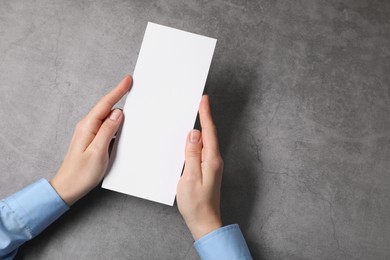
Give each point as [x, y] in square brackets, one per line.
[199, 231]
[63, 191]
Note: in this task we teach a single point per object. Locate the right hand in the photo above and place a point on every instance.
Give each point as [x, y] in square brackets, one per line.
[199, 188]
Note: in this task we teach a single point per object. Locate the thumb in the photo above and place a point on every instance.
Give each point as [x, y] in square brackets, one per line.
[193, 156]
[107, 130]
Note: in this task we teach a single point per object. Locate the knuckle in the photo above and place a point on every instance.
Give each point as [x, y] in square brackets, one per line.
[217, 164]
[108, 126]
[80, 125]
[193, 152]
[105, 101]
[220, 162]
[98, 152]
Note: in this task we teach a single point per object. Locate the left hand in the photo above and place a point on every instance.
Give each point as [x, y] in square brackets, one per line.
[86, 162]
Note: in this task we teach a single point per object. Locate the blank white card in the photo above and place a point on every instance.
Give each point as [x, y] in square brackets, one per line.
[160, 110]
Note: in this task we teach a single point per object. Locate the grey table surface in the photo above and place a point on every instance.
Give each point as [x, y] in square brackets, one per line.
[300, 92]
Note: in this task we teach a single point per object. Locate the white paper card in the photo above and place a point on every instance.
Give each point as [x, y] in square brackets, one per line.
[160, 110]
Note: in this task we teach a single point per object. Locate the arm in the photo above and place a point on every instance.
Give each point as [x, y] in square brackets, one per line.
[198, 194]
[22, 217]
[26, 213]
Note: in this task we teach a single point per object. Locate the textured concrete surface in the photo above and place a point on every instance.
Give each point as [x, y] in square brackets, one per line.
[300, 91]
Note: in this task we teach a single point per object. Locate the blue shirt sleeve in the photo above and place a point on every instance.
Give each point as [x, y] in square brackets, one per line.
[26, 213]
[224, 243]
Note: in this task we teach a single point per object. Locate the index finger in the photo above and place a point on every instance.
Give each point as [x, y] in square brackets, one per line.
[90, 125]
[105, 104]
[209, 131]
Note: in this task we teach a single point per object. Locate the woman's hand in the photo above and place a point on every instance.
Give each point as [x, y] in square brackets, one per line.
[198, 191]
[86, 162]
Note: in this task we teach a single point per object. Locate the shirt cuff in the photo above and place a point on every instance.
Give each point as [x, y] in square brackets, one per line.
[224, 243]
[37, 206]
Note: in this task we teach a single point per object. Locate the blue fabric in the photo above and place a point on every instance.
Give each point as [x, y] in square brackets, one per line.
[224, 243]
[26, 213]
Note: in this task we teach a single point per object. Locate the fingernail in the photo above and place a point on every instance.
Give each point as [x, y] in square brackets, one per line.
[115, 114]
[195, 136]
